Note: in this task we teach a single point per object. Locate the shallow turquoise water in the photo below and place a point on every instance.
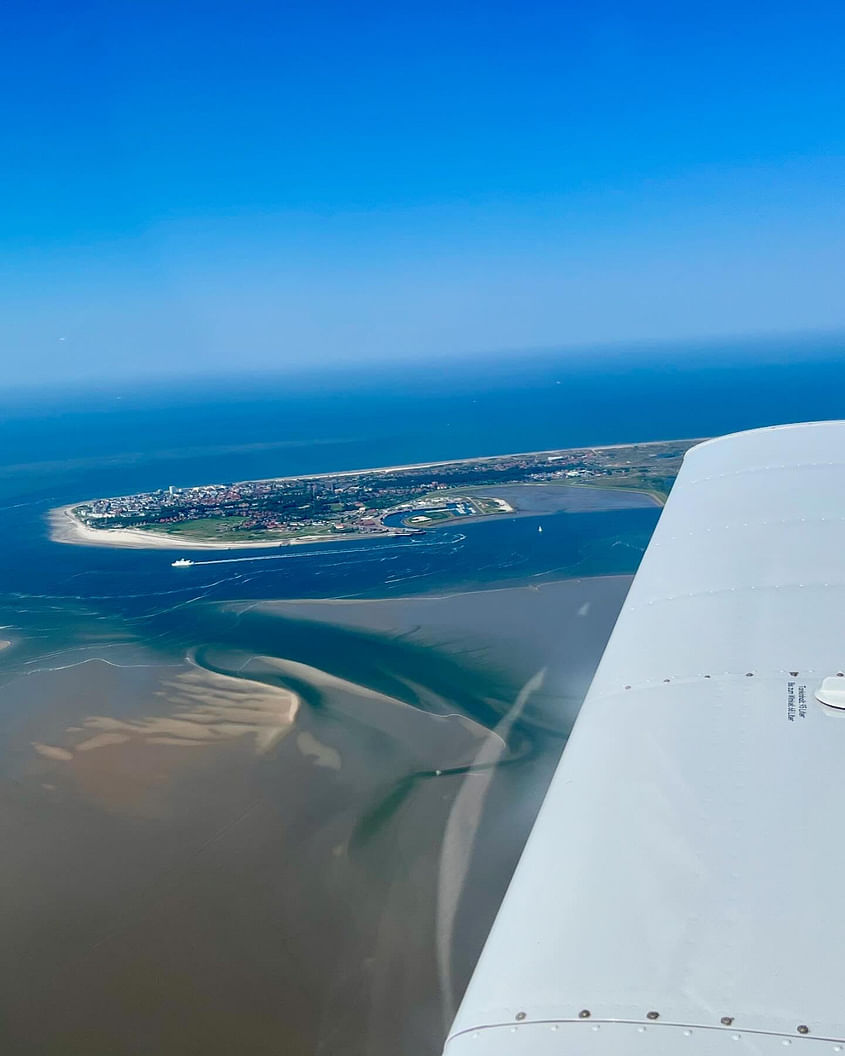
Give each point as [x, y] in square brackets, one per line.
[287, 899]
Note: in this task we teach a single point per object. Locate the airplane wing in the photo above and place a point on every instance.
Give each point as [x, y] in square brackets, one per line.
[683, 889]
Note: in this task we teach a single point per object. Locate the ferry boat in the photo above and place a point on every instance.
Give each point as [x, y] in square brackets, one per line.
[182, 562]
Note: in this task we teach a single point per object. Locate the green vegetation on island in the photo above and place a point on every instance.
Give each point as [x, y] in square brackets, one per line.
[393, 501]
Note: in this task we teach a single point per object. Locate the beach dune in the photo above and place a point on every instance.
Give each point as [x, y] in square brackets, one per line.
[65, 527]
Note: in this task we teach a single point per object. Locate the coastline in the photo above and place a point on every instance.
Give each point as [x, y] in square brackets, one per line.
[67, 528]
[351, 604]
[329, 748]
[479, 458]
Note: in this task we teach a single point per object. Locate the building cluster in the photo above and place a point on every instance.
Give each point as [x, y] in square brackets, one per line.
[359, 501]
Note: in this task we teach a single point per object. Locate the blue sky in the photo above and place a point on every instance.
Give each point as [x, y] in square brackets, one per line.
[203, 187]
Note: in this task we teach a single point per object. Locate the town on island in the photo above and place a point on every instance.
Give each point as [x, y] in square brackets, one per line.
[393, 501]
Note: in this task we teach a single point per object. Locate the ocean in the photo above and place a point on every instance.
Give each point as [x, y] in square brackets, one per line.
[236, 797]
[58, 448]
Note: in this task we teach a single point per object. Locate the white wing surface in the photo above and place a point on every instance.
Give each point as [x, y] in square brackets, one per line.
[683, 889]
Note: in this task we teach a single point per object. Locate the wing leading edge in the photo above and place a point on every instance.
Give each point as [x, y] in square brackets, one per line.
[680, 891]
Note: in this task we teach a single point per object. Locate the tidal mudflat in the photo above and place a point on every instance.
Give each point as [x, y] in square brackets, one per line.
[278, 826]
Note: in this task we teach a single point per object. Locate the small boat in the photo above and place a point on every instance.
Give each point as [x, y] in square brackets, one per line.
[182, 562]
[539, 528]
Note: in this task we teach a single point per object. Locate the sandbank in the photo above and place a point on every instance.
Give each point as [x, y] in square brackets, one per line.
[65, 527]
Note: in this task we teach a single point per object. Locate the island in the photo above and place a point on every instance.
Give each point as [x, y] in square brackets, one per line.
[390, 501]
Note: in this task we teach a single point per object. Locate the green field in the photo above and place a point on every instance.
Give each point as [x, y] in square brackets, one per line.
[227, 529]
[657, 487]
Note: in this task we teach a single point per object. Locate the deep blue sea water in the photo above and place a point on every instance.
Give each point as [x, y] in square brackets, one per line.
[57, 448]
[158, 895]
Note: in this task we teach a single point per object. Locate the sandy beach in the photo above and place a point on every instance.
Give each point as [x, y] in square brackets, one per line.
[534, 499]
[67, 528]
[310, 808]
[488, 458]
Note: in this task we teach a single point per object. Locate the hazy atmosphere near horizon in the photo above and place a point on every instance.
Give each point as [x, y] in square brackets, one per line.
[203, 188]
[350, 353]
